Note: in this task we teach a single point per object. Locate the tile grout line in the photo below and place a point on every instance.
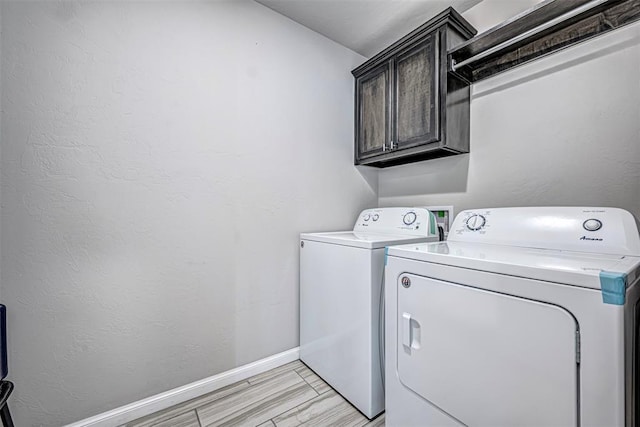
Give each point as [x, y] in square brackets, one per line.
[314, 389]
[198, 417]
[302, 403]
[303, 379]
[181, 408]
[269, 394]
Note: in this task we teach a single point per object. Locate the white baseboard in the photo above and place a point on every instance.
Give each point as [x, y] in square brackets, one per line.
[165, 400]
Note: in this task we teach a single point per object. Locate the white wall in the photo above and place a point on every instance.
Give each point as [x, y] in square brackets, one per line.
[159, 159]
[158, 162]
[490, 13]
[563, 130]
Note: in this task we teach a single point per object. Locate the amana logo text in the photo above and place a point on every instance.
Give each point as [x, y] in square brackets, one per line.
[590, 238]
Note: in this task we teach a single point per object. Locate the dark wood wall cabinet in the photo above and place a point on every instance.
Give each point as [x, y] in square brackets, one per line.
[407, 107]
[544, 29]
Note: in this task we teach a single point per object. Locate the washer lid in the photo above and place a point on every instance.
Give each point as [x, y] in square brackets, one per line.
[572, 268]
[364, 240]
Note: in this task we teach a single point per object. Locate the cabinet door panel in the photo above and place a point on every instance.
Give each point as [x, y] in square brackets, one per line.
[373, 111]
[417, 102]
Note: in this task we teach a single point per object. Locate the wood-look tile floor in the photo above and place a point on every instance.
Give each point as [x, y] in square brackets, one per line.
[288, 396]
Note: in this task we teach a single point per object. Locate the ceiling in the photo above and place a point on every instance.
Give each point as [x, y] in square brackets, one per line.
[368, 26]
[365, 26]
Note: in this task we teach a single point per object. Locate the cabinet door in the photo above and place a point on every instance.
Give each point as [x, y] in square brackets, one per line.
[373, 130]
[417, 95]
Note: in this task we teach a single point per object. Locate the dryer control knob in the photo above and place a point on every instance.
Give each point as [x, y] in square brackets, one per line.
[475, 222]
[592, 224]
[409, 218]
[367, 217]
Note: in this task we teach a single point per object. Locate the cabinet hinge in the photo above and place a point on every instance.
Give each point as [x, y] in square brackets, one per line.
[578, 347]
[392, 145]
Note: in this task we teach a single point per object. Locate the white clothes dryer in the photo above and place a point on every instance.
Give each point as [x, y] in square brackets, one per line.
[523, 317]
[340, 299]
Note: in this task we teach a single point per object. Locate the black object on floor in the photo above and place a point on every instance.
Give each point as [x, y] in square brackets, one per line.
[6, 387]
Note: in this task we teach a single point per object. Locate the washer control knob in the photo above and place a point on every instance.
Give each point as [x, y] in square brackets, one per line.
[367, 217]
[475, 222]
[592, 224]
[409, 218]
[375, 217]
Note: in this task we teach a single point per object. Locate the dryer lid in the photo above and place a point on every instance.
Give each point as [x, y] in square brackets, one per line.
[572, 268]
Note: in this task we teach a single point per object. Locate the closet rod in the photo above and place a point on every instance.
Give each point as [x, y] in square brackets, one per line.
[574, 12]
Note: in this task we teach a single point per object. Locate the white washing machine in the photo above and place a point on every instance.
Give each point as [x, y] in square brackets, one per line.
[523, 317]
[340, 299]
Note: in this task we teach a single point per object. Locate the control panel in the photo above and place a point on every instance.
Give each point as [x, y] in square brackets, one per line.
[475, 222]
[584, 229]
[410, 221]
